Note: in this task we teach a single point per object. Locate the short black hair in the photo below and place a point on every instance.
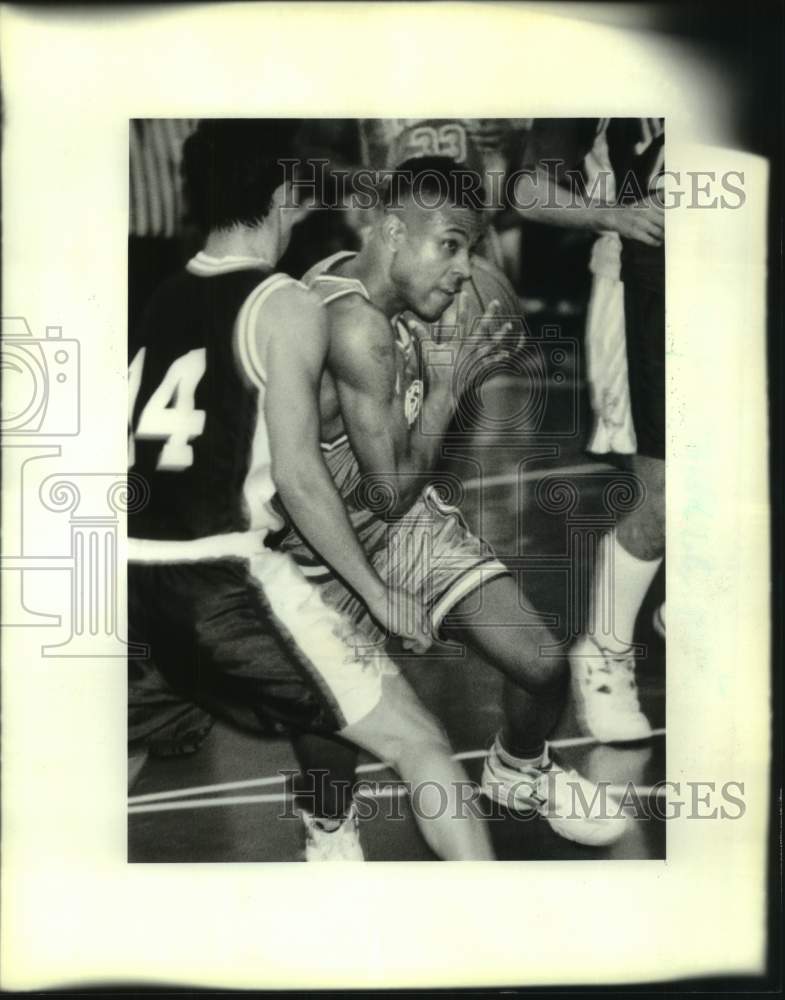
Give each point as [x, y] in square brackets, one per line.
[433, 182]
[231, 167]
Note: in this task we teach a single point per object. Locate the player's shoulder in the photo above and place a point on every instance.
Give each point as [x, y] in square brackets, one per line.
[289, 290]
[355, 318]
[288, 298]
[362, 342]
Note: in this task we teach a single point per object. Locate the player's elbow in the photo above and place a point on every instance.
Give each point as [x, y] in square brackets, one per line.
[293, 479]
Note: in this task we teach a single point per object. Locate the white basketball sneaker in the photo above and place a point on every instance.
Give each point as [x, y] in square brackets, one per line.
[340, 844]
[575, 808]
[606, 695]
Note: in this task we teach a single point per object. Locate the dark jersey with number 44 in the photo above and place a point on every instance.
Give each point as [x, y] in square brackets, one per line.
[196, 428]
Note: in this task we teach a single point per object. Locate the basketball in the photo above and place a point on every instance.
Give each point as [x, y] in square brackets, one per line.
[487, 283]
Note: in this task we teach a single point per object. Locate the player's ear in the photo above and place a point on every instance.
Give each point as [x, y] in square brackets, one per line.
[393, 230]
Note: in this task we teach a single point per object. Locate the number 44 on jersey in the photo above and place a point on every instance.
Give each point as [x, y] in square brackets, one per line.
[170, 414]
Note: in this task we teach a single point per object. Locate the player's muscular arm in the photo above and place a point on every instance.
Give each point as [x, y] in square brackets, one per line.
[362, 360]
[292, 340]
[295, 352]
[539, 198]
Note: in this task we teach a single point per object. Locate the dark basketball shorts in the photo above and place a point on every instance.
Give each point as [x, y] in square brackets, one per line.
[644, 318]
[430, 552]
[249, 641]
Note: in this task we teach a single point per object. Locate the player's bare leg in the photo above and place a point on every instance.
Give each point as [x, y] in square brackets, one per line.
[642, 533]
[519, 771]
[603, 664]
[536, 684]
[400, 731]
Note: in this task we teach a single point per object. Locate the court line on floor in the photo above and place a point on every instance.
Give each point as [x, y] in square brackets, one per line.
[227, 786]
[507, 478]
[394, 791]
[240, 800]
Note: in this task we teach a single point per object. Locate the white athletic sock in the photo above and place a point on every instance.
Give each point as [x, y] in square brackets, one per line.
[541, 760]
[329, 825]
[620, 584]
[321, 823]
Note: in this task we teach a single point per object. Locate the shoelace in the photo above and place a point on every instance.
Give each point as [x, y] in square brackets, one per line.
[554, 789]
[542, 779]
[550, 789]
[546, 779]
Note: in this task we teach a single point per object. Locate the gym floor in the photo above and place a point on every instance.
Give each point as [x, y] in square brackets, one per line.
[531, 490]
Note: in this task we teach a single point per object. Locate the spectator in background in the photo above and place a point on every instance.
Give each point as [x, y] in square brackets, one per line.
[159, 238]
[488, 146]
[630, 213]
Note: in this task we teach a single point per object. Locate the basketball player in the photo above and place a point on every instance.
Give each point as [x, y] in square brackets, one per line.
[381, 438]
[223, 406]
[486, 146]
[629, 211]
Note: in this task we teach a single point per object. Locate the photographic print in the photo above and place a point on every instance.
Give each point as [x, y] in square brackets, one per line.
[456, 465]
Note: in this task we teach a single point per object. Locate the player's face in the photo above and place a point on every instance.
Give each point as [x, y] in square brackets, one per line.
[434, 258]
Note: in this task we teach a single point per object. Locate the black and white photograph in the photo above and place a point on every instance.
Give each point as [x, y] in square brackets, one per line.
[389, 414]
[401, 489]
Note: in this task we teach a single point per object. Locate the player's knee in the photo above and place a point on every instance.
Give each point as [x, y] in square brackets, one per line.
[417, 739]
[555, 681]
[400, 730]
[425, 735]
[547, 677]
[427, 754]
[642, 532]
[651, 476]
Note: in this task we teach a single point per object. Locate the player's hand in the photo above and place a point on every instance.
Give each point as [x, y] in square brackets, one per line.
[496, 335]
[402, 614]
[643, 221]
[490, 340]
[458, 344]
